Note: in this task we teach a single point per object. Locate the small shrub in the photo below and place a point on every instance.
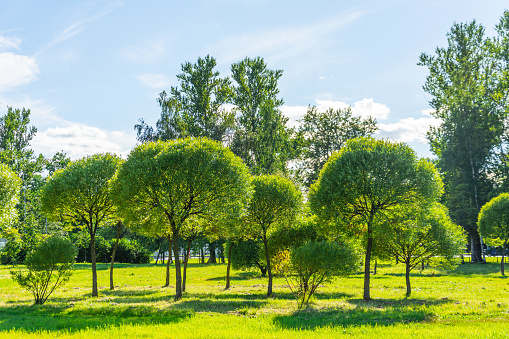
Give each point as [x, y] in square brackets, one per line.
[49, 266]
[130, 251]
[315, 263]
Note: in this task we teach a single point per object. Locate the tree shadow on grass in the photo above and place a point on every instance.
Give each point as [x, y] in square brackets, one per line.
[58, 317]
[376, 312]
[247, 275]
[476, 269]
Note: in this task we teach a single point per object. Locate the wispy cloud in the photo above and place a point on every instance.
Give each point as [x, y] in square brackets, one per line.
[158, 81]
[281, 43]
[77, 27]
[8, 43]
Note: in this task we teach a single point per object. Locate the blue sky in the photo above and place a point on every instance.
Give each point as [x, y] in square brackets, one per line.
[88, 70]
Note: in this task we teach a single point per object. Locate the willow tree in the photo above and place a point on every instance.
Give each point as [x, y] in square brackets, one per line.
[163, 184]
[80, 194]
[494, 223]
[362, 184]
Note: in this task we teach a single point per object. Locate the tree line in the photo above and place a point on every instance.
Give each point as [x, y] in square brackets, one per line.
[243, 175]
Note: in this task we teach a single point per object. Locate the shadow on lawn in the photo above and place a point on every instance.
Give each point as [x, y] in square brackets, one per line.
[58, 317]
[379, 312]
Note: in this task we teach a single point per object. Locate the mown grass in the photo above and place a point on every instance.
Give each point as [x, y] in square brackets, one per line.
[470, 301]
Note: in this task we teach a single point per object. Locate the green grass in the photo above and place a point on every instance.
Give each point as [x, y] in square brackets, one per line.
[470, 302]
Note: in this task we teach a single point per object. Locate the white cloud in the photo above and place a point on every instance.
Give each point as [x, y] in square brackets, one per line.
[7, 43]
[408, 129]
[78, 140]
[277, 44]
[294, 113]
[367, 107]
[151, 80]
[16, 70]
[323, 77]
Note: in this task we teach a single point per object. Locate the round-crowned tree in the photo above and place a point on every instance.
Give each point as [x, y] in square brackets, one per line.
[163, 184]
[9, 187]
[365, 181]
[79, 194]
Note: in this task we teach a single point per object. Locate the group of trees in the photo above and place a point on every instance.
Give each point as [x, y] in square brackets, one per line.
[239, 174]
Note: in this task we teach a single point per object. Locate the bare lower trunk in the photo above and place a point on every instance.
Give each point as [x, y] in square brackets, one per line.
[267, 257]
[503, 255]
[119, 227]
[407, 275]
[475, 247]
[95, 292]
[367, 267]
[186, 259]
[228, 267]
[178, 273]
[167, 283]
[374, 268]
[212, 251]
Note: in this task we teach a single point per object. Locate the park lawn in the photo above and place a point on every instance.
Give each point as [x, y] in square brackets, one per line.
[471, 301]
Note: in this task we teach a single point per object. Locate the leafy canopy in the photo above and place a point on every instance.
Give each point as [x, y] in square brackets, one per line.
[10, 184]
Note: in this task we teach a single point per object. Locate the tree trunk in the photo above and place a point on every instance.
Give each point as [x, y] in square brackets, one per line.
[178, 273]
[212, 251]
[502, 261]
[475, 246]
[407, 275]
[95, 292]
[119, 227]
[366, 266]
[267, 257]
[228, 266]
[186, 259]
[374, 268]
[167, 283]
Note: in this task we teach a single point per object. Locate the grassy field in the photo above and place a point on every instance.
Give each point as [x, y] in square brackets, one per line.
[471, 301]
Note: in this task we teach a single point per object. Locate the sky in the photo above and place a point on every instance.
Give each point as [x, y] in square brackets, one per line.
[88, 70]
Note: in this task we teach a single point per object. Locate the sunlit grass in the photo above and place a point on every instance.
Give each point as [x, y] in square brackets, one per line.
[471, 301]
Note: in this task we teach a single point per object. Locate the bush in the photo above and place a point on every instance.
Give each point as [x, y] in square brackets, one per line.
[307, 267]
[49, 266]
[248, 254]
[130, 251]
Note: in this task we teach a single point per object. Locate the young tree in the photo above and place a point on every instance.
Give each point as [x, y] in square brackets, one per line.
[275, 202]
[49, 266]
[494, 222]
[364, 182]
[261, 137]
[79, 194]
[464, 83]
[326, 132]
[9, 189]
[163, 184]
[422, 233]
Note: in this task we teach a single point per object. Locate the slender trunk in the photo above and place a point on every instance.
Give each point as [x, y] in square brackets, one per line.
[212, 251]
[476, 247]
[407, 275]
[367, 266]
[119, 227]
[186, 259]
[267, 257]
[374, 268]
[502, 262]
[158, 254]
[167, 283]
[477, 252]
[178, 273]
[95, 293]
[228, 266]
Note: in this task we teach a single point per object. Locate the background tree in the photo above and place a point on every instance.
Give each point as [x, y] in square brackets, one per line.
[364, 182]
[494, 222]
[196, 108]
[80, 195]
[422, 233]
[163, 184]
[261, 137]
[49, 266]
[9, 189]
[275, 202]
[466, 97]
[324, 133]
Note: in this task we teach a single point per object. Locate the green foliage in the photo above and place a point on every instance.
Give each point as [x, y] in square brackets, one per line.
[10, 184]
[307, 267]
[324, 133]
[261, 137]
[247, 254]
[163, 184]
[494, 219]
[49, 266]
[362, 184]
[195, 109]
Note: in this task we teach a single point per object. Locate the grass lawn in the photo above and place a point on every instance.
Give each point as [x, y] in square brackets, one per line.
[469, 302]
